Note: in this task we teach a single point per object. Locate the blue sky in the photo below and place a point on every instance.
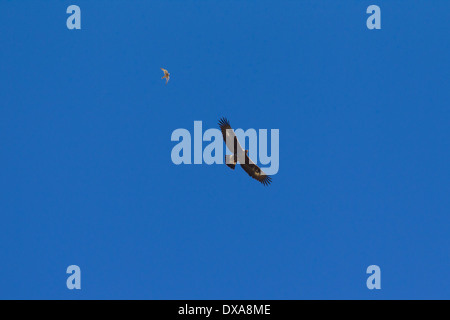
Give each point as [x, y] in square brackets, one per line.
[86, 176]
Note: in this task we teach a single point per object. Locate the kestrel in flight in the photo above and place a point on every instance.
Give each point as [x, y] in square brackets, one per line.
[166, 75]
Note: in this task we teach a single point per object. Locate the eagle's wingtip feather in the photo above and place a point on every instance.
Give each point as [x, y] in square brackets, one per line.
[223, 122]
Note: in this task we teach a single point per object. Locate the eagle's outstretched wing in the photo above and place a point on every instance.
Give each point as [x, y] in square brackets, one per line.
[255, 172]
[229, 136]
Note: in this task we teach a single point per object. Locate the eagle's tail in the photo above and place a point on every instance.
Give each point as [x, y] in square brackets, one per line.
[229, 161]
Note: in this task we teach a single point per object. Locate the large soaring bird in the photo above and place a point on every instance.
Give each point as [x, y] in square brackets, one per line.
[240, 155]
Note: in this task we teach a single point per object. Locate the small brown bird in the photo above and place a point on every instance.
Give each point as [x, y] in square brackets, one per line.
[166, 75]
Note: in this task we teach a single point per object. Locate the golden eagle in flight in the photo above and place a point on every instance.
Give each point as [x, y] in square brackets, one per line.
[240, 155]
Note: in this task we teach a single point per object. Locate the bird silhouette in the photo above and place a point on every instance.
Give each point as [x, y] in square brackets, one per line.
[166, 75]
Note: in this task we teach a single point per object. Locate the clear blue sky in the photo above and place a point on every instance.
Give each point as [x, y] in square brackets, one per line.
[86, 176]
